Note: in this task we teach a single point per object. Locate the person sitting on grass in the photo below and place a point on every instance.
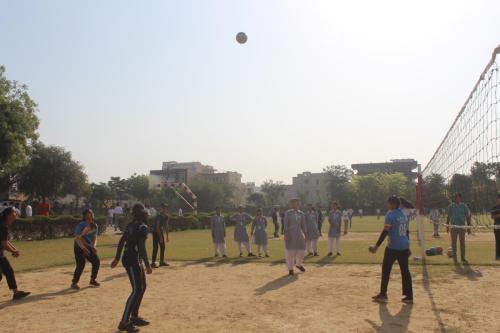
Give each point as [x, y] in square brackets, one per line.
[218, 227]
[398, 248]
[258, 232]
[85, 249]
[7, 217]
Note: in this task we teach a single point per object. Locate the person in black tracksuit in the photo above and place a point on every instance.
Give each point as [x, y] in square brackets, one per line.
[160, 236]
[134, 241]
[7, 217]
[275, 217]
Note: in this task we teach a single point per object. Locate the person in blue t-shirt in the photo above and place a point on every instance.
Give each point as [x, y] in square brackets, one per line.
[85, 249]
[398, 248]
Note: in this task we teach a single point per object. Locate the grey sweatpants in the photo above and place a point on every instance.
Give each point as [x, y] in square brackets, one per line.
[460, 233]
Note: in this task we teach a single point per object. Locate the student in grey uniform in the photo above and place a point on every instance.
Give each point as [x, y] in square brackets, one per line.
[312, 231]
[218, 227]
[258, 232]
[295, 231]
[240, 230]
[335, 221]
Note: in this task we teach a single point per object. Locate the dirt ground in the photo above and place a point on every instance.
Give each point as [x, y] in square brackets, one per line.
[220, 297]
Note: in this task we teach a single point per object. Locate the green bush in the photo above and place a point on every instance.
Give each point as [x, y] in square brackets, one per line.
[42, 227]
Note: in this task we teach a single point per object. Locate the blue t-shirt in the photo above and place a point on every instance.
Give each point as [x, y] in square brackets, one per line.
[88, 237]
[398, 240]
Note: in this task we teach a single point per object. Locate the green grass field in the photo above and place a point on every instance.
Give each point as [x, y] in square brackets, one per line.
[195, 245]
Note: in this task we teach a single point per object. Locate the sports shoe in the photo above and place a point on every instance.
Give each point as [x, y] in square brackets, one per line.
[164, 264]
[330, 254]
[464, 261]
[75, 286]
[138, 321]
[310, 254]
[407, 300]
[216, 255]
[251, 254]
[316, 254]
[267, 255]
[154, 265]
[224, 256]
[380, 298]
[338, 253]
[241, 255]
[290, 272]
[301, 268]
[128, 327]
[94, 283]
[20, 295]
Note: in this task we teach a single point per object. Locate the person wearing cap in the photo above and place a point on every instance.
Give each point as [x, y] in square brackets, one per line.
[7, 217]
[160, 235]
[84, 248]
[240, 230]
[218, 228]
[398, 249]
[294, 233]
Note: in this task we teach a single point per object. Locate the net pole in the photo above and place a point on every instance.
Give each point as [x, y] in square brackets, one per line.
[420, 214]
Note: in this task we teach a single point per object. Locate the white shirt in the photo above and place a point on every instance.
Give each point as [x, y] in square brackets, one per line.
[29, 211]
[111, 212]
[118, 210]
[152, 212]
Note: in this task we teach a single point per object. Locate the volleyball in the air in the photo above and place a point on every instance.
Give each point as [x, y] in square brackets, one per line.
[241, 37]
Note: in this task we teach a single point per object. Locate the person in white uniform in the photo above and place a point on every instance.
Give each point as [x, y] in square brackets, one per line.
[240, 231]
[218, 227]
[294, 233]
[334, 232]
[312, 231]
[259, 234]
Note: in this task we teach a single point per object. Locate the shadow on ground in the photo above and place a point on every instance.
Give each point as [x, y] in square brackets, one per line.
[276, 284]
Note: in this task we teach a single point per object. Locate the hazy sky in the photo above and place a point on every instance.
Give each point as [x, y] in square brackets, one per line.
[125, 85]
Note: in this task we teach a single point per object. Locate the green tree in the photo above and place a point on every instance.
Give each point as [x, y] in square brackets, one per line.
[273, 190]
[119, 187]
[18, 129]
[258, 199]
[460, 183]
[339, 185]
[52, 172]
[209, 194]
[100, 194]
[434, 192]
[137, 186]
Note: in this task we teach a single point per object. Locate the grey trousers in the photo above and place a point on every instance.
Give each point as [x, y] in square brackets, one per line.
[460, 233]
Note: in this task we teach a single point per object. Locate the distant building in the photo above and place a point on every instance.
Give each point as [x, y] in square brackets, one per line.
[187, 172]
[309, 187]
[404, 166]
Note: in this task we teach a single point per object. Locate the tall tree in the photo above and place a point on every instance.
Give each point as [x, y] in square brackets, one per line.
[138, 186]
[434, 192]
[100, 194]
[258, 199]
[18, 129]
[460, 183]
[339, 185]
[52, 172]
[273, 190]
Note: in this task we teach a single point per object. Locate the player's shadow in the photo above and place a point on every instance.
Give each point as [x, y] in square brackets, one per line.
[276, 284]
[326, 260]
[40, 297]
[468, 271]
[397, 323]
[427, 286]
[115, 276]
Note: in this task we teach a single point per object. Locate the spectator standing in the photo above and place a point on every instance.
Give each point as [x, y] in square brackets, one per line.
[44, 208]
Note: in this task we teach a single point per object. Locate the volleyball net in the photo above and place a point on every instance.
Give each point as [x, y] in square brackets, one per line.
[467, 160]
